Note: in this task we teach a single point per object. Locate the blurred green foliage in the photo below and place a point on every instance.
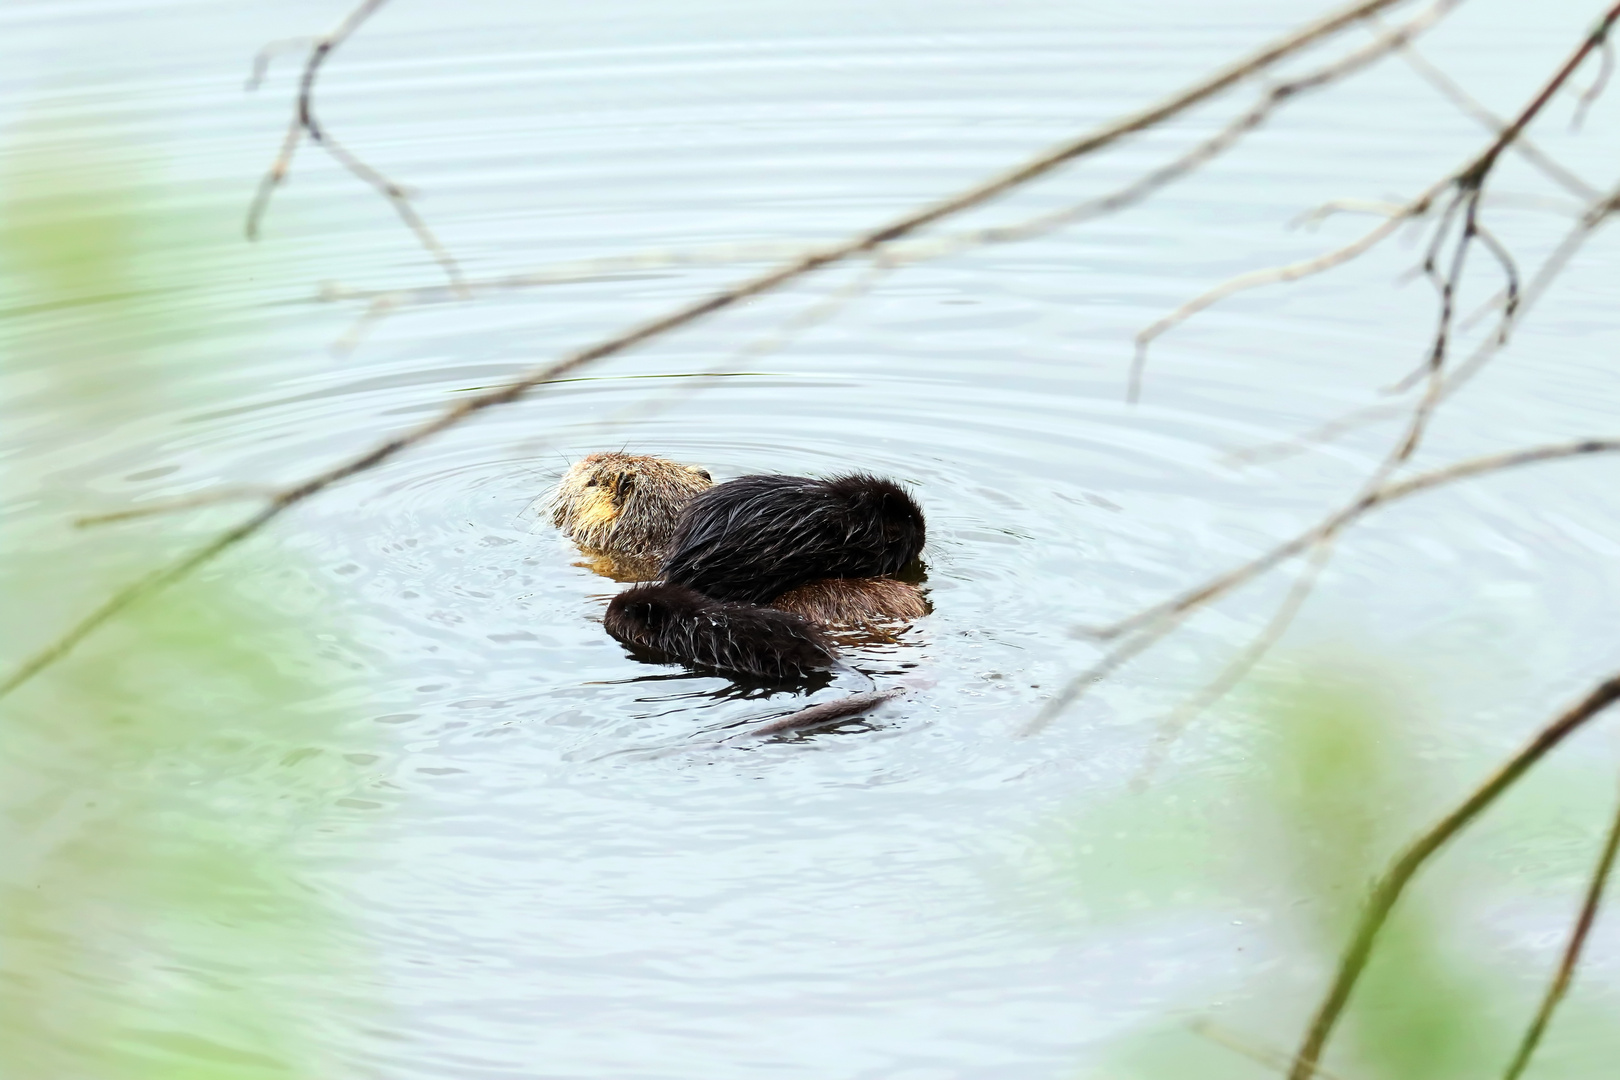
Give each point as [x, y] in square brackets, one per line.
[1321, 786]
[154, 786]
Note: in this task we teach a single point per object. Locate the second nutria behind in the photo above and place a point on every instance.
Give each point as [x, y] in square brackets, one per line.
[756, 537]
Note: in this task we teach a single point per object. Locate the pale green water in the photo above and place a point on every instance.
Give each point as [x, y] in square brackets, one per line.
[530, 902]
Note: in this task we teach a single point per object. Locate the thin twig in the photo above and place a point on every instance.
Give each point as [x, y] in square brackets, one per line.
[262, 59]
[807, 263]
[1595, 215]
[1525, 148]
[1572, 953]
[211, 497]
[817, 313]
[1275, 275]
[1271, 1057]
[1594, 91]
[1467, 182]
[1337, 521]
[1154, 623]
[1203, 153]
[385, 302]
[1111, 661]
[1151, 625]
[1389, 888]
[1467, 185]
[304, 122]
[1176, 722]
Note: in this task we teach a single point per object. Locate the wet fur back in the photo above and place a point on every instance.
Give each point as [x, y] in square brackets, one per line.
[738, 639]
[756, 537]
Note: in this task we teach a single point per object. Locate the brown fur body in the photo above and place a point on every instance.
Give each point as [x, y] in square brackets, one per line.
[862, 604]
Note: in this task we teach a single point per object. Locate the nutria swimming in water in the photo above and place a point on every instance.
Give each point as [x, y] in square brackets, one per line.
[809, 546]
[625, 505]
[741, 639]
[756, 537]
[623, 509]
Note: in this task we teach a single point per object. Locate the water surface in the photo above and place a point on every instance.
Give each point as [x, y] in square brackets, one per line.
[543, 900]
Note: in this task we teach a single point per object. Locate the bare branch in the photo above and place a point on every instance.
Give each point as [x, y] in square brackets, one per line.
[262, 59]
[1467, 183]
[1390, 887]
[1595, 215]
[1572, 953]
[805, 264]
[1594, 91]
[1270, 1057]
[304, 122]
[1275, 275]
[211, 497]
[1336, 522]
[1470, 105]
[1176, 722]
[1077, 687]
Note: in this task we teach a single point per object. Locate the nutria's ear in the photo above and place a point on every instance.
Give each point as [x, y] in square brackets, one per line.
[623, 485]
[701, 472]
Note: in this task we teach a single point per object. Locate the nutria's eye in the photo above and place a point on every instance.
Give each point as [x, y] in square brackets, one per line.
[591, 482]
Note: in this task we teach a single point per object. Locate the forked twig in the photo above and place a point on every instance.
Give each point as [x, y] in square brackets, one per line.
[1204, 152]
[1140, 631]
[1572, 953]
[1389, 888]
[385, 302]
[1524, 147]
[1595, 91]
[1466, 185]
[210, 497]
[1597, 214]
[1275, 275]
[304, 122]
[805, 264]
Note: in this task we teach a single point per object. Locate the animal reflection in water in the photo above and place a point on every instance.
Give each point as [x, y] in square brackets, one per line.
[759, 577]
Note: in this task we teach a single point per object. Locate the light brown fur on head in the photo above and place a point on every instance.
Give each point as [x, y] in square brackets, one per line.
[625, 505]
[867, 605]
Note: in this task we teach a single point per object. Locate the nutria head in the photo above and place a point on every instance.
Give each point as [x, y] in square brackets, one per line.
[625, 504]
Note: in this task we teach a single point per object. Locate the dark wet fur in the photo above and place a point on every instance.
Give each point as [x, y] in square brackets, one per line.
[756, 537]
[738, 639]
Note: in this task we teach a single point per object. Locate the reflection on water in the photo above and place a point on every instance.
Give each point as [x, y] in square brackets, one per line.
[414, 729]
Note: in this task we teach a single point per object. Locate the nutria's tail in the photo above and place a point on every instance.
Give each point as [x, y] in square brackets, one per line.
[738, 639]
